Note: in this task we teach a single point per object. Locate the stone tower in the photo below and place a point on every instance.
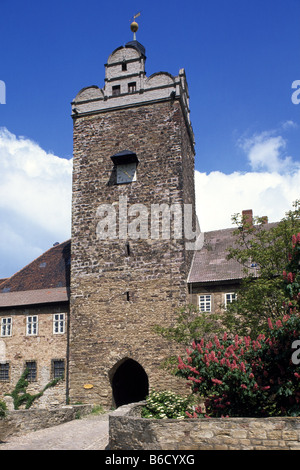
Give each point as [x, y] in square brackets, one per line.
[133, 174]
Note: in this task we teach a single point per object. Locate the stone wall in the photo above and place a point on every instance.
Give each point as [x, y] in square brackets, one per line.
[23, 421]
[128, 431]
[43, 348]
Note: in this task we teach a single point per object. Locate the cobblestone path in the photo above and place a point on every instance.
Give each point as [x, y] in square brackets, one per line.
[88, 433]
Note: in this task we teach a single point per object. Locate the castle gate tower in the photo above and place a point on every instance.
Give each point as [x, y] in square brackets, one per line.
[133, 168]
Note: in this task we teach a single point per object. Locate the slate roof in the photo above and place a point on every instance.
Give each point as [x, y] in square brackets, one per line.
[34, 297]
[210, 264]
[46, 279]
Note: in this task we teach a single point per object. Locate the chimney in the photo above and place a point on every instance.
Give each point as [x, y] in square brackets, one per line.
[247, 218]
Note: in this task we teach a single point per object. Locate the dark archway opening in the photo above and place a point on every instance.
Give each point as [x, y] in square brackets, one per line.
[130, 383]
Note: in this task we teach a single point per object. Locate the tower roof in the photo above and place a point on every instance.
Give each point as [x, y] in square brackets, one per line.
[138, 46]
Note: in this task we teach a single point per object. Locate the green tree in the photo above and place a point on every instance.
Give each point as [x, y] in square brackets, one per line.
[292, 274]
[189, 325]
[264, 251]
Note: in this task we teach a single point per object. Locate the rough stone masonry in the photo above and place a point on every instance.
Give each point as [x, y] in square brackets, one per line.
[121, 288]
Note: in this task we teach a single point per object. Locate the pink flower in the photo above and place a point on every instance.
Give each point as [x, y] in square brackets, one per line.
[270, 323]
[216, 381]
[244, 386]
[297, 375]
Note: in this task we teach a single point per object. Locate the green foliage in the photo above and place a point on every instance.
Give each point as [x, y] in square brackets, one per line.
[21, 396]
[166, 404]
[189, 324]
[292, 274]
[3, 409]
[244, 377]
[264, 252]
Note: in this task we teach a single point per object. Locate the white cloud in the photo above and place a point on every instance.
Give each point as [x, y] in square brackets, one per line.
[219, 196]
[35, 200]
[269, 189]
[266, 151]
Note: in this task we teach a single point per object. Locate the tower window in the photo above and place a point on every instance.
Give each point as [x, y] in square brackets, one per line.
[127, 296]
[124, 66]
[131, 87]
[116, 90]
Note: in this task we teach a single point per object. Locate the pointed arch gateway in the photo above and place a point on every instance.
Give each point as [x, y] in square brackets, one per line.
[129, 382]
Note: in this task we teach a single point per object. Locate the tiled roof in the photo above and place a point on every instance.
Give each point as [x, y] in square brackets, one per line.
[47, 277]
[210, 264]
[34, 297]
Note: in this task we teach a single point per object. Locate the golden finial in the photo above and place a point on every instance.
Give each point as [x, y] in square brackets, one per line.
[134, 25]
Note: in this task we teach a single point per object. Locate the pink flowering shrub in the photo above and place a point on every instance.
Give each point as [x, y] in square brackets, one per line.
[242, 377]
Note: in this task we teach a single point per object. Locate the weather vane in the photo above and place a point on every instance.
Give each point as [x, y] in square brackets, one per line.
[134, 25]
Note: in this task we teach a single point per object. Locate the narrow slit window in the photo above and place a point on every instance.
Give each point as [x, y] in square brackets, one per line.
[127, 296]
[127, 249]
[124, 66]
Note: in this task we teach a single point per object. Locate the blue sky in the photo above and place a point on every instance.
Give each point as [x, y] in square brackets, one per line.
[241, 58]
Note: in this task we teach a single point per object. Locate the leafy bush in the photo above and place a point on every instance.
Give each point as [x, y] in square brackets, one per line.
[292, 273]
[3, 409]
[244, 377]
[166, 404]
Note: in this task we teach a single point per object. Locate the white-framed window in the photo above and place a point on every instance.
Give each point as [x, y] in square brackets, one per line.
[229, 298]
[32, 325]
[205, 303]
[58, 323]
[6, 326]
